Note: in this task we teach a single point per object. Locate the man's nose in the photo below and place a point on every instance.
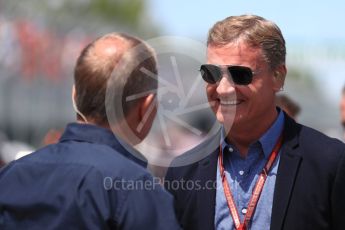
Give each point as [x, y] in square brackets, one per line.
[225, 85]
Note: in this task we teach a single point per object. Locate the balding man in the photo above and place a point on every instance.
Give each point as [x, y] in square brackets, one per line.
[88, 180]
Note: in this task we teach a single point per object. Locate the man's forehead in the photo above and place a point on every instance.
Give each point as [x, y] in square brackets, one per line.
[236, 47]
[234, 51]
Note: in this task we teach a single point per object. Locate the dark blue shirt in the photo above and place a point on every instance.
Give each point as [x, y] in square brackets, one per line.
[86, 181]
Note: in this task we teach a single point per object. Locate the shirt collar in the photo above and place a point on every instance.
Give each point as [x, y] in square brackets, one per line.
[98, 135]
[268, 139]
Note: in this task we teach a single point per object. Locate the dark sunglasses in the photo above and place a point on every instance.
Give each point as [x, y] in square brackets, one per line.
[240, 75]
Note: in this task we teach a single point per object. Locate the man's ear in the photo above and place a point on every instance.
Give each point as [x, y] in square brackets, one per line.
[73, 93]
[80, 116]
[74, 102]
[145, 116]
[148, 106]
[279, 78]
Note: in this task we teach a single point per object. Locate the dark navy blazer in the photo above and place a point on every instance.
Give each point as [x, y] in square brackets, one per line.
[86, 181]
[309, 191]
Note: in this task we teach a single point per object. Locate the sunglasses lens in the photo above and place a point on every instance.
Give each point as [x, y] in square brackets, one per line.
[210, 73]
[241, 75]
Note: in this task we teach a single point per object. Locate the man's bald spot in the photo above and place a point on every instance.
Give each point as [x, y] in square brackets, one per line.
[108, 50]
[95, 67]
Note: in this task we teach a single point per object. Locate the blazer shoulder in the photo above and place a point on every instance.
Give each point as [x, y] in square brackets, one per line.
[310, 136]
[318, 147]
[310, 139]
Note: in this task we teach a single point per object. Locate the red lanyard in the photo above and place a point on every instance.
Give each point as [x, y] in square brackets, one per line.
[256, 192]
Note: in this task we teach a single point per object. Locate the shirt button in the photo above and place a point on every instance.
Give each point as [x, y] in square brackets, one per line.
[231, 149]
[241, 172]
[244, 211]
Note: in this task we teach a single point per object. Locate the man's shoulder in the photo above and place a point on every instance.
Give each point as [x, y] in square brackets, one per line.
[75, 175]
[305, 136]
[101, 158]
[309, 136]
[318, 148]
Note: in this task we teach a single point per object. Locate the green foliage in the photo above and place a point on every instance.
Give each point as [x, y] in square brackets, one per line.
[128, 12]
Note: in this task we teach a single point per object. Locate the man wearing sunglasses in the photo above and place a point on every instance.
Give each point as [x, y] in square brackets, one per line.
[268, 172]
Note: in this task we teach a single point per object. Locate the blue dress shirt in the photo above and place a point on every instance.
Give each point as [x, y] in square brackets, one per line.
[86, 181]
[242, 174]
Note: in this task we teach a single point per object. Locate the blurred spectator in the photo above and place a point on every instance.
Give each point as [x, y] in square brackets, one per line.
[12, 150]
[288, 105]
[342, 110]
[2, 162]
[52, 137]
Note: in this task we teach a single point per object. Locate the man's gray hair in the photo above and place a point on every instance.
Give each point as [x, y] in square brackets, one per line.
[255, 31]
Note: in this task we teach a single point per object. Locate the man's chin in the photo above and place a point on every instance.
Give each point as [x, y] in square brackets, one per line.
[226, 121]
[343, 124]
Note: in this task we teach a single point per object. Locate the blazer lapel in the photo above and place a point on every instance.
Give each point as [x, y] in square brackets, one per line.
[206, 198]
[288, 167]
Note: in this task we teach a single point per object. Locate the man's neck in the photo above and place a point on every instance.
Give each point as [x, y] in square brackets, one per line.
[93, 122]
[243, 135]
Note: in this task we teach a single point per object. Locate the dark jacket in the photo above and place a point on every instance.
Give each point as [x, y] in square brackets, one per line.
[309, 191]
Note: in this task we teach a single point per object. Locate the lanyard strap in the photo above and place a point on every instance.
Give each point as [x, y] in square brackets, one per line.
[256, 192]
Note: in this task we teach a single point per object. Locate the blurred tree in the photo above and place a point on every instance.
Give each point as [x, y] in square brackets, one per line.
[125, 15]
[127, 12]
[130, 13]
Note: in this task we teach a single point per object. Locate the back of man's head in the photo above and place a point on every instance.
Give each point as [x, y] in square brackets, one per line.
[97, 63]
